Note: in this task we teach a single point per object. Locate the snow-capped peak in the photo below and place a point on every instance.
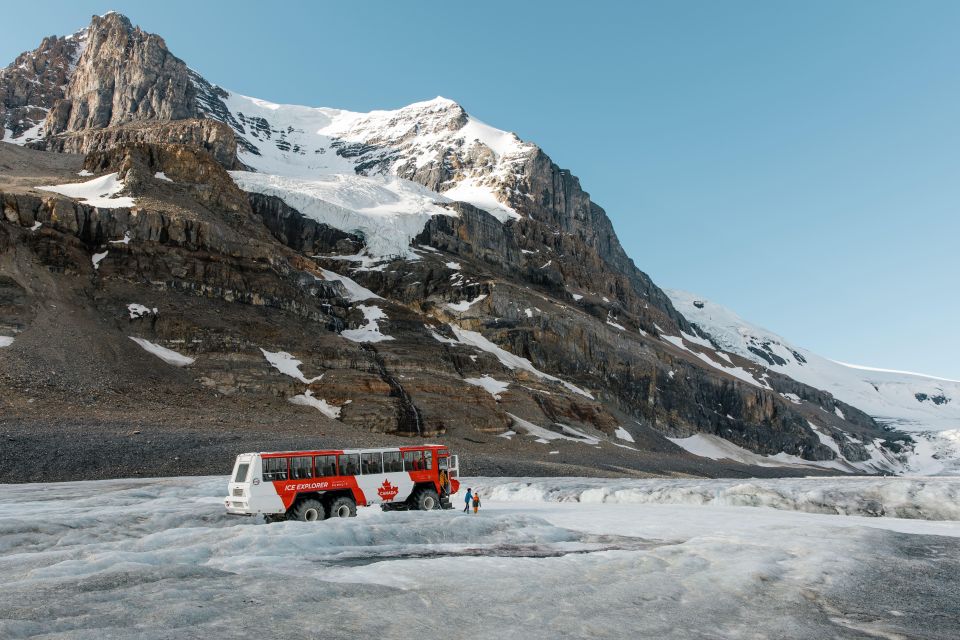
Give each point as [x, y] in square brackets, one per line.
[380, 173]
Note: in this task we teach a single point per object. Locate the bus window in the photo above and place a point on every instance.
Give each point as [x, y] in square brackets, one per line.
[350, 464]
[326, 466]
[371, 463]
[392, 462]
[274, 469]
[412, 461]
[301, 467]
[242, 472]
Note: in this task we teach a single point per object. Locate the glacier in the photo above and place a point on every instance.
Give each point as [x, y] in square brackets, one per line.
[158, 558]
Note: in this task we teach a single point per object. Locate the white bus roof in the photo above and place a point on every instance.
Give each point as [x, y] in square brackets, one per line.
[311, 451]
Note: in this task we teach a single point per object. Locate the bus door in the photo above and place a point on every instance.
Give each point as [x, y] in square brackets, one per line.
[449, 467]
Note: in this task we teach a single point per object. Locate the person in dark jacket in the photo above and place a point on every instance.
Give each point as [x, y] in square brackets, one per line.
[467, 500]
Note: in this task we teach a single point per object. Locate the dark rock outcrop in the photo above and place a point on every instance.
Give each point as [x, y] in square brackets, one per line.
[213, 137]
[302, 234]
[35, 81]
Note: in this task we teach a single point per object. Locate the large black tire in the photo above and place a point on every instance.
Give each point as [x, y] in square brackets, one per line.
[426, 500]
[309, 510]
[343, 507]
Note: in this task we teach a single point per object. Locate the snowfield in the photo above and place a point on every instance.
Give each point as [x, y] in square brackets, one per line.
[158, 558]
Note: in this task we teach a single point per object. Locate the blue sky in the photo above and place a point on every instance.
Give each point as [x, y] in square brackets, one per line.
[797, 162]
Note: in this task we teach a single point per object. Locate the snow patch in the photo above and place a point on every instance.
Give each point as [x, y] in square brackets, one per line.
[544, 436]
[97, 258]
[138, 310]
[308, 400]
[440, 338]
[623, 434]
[160, 175]
[370, 331]
[102, 192]
[465, 304]
[826, 440]
[167, 355]
[615, 325]
[288, 365]
[493, 386]
[355, 292]
[6, 341]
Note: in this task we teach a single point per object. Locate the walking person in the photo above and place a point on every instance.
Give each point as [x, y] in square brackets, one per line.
[476, 502]
[467, 500]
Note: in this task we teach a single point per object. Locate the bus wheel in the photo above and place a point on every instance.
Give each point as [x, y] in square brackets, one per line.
[426, 500]
[309, 511]
[343, 507]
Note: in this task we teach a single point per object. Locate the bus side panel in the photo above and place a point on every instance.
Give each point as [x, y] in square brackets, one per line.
[385, 487]
[425, 476]
[288, 490]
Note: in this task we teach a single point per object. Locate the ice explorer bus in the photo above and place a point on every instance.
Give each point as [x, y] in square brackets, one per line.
[314, 485]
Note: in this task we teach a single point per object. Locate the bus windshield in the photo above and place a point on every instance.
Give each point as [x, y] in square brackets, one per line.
[242, 470]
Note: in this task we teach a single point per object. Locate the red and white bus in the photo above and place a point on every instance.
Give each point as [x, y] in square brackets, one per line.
[314, 485]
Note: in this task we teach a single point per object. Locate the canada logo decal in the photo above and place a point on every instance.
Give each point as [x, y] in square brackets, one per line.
[387, 491]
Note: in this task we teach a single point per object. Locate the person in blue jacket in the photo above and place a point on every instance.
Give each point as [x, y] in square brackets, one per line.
[467, 500]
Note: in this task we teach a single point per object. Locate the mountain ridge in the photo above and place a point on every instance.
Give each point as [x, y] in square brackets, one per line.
[539, 289]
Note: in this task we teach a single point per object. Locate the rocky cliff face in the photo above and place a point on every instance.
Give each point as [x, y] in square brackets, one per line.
[211, 136]
[109, 84]
[33, 83]
[513, 311]
[123, 75]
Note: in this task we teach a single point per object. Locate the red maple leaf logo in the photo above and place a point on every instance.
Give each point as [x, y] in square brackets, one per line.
[388, 491]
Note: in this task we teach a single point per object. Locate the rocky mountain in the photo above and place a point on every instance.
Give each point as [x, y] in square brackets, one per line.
[182, 264]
